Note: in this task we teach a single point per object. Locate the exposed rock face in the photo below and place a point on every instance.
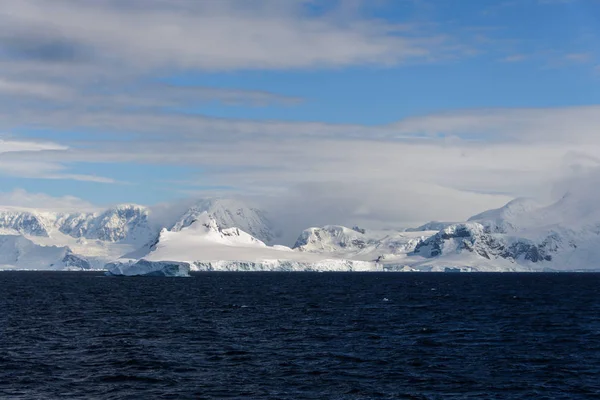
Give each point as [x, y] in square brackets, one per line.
[125, 223]
[332, 238]
[377, 246]
[72, 261]
[130, 223]
[23, 222]
[475, 238]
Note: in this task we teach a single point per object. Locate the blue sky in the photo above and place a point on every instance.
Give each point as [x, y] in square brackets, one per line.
[387, 110]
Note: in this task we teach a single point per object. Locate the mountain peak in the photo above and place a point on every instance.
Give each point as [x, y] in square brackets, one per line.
[228, 213]
[513, 209]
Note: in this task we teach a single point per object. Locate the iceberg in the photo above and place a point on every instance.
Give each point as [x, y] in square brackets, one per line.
[149, 268]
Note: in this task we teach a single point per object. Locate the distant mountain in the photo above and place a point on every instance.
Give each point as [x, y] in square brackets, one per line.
[130, 223]
[523, 234]
[205, 245]
[430, 226]
[126, 229]
[123, 223]
[356, 243]
[510, 218]
[23, 222]
[221, 234]
[473, 238]
[229, 213]
[18, 252]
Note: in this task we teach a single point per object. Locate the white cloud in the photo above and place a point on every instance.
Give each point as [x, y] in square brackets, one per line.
[205, 34]
[7, 146]
[311, 174]
[578, 125]
[386, 203]
[35, 89]
[391, 183]
[90, 55]
[80, 65]
[25, 159]
[579, 57]
[560, 124]
[20, 199]
[118, 95]
[506, 151]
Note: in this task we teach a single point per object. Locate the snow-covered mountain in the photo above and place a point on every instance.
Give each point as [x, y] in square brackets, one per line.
[478, 245]
[18, 252]
[124, 223]
[523, 235]
[23, 222]
[103, 236]
[514, 216]
[360, 244]
[229, 213]
[430, 226]
[221, 234]
[206, 245]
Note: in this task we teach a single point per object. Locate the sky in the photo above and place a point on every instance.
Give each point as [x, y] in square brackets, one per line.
[386, 113]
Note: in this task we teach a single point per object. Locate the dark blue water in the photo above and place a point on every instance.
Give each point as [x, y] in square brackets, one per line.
[300, 336]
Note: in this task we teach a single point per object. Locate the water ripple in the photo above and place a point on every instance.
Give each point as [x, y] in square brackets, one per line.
[300, 336]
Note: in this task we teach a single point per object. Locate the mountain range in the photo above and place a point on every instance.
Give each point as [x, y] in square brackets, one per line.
[227, 234]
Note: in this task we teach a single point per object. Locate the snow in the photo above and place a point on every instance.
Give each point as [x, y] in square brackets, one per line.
[123, 230]
[25, 223]
[207, 247]
[359, 244]
[466, 262]
[521, 236]
[227, 235]
[18, 252]
[229, 213]
[431, 226]
[513, 217]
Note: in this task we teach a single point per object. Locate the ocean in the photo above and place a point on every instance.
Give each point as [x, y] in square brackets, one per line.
[81, 335]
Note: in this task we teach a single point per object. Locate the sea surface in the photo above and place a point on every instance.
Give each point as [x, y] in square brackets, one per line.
[300, 336]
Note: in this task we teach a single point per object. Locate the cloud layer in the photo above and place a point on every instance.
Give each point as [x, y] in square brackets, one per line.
[20, 199]
[208, 35]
